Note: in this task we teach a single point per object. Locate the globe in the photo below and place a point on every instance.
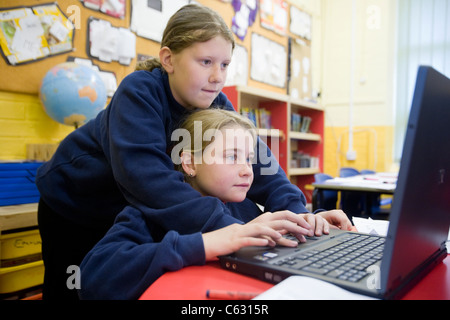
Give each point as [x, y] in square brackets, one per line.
[72, 94]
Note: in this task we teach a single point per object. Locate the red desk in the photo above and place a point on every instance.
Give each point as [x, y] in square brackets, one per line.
[191, 283]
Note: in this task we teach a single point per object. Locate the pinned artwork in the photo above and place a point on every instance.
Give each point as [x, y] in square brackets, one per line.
[113, 8]
[238, 69]
[108, 43]
[244, 17]
[29, 34]
[269, 61]
[274, 15]
[150, 17]
[300, 84]
[301, 23]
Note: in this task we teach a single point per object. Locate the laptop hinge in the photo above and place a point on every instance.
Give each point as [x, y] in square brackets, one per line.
[444, 246]
[416, 275]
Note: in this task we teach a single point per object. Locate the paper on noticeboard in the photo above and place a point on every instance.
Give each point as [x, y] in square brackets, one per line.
[301, 23]
[274, 15]
[150, 17]
[31, 33]
[269, 61]
[108, 43]
[114, 8]
[238, 69]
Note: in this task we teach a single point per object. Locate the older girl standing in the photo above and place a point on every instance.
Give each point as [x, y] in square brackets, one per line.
[120, 159]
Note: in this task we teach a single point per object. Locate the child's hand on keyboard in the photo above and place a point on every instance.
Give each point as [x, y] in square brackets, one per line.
[336, 219]
[266, 230]
[287, 222]
[318, 224]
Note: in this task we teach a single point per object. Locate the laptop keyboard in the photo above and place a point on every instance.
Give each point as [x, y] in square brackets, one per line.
[346, 260]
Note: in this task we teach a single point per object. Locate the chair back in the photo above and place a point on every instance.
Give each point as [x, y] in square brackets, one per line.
[348, 172]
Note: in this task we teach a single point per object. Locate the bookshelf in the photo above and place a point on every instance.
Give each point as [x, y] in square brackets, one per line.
[298, 149]
[309, 143]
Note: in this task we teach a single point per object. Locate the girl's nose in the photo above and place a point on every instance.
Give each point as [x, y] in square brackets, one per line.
[246, 169]
[218, 75]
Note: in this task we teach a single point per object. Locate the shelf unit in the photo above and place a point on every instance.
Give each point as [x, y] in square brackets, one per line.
[281, 108]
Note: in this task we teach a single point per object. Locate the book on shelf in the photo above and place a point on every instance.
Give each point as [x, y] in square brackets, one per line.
[306, 124]
[303, 160]
[296, 122]
[300, 123]
[261, 118]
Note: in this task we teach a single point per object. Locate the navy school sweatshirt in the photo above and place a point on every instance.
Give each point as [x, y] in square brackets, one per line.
[119, 162]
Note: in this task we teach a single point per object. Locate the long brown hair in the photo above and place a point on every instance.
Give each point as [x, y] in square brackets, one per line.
[191, 24]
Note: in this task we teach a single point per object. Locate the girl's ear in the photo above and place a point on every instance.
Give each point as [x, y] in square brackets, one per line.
[187, 163]
[165, 57]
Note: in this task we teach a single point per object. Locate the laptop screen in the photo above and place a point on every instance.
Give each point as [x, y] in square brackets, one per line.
[420, 216]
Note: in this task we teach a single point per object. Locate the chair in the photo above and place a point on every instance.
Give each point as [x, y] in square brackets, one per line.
[348, 172]
[366, 171]
[324, 199]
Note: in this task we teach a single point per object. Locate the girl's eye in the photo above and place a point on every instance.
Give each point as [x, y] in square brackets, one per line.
[206, 62]
[231, 158]
[234, 159]
[225, 65]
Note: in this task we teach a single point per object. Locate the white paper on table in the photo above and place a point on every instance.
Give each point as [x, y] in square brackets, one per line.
[379, 227]
[306, 288]
[370, 226]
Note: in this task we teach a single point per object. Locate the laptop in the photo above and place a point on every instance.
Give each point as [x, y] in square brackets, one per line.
[382, 267]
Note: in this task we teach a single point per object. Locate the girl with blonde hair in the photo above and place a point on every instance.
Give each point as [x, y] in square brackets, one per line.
[215, 155]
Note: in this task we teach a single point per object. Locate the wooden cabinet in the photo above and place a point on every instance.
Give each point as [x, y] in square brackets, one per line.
[21, 265]
[296, 143]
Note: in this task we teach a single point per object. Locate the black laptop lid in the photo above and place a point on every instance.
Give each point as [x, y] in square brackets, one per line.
[420, 216]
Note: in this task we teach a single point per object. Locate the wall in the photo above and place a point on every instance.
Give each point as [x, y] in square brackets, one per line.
[372, 116]
[26, 78]
[22, 119]
[373, 111]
